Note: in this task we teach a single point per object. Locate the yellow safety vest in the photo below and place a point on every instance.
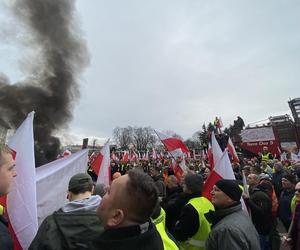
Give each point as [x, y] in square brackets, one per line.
[197, 242]
[265, 157]
[1, 210]
[160, 223]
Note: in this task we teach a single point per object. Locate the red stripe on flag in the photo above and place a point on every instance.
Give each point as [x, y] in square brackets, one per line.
[209, 184]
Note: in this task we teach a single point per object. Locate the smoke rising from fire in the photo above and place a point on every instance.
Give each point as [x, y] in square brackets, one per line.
[52, 85]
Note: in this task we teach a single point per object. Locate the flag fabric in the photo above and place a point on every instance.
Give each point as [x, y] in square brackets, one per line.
[21, 201]
[52, 182]
[172, 143]
[114, 157]
[104, 171]
[154, 154]
[222, 168]
[125, 157]
[210, 157]
[176, 148]
[95, 162]
[232, 151]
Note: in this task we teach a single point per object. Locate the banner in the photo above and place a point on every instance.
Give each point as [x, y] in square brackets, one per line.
[52, 182]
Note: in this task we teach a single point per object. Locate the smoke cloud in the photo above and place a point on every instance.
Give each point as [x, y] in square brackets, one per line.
[51, 88]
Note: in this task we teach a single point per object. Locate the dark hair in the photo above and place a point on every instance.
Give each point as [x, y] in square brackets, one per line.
[82, 189]
[142, 194]
[194, 183]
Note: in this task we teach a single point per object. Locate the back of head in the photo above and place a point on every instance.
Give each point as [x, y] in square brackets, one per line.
[80, 183]
[193, 183]
[142, 196]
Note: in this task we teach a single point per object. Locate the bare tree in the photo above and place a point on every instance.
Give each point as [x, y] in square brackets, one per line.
[123, 137]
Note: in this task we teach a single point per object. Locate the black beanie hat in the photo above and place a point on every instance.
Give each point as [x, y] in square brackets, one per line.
[230, 188]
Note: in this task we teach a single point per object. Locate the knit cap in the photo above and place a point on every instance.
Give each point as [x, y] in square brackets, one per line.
[230, 188]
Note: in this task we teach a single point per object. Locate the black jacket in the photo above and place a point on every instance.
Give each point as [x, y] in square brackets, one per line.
[5, 239]
[130, 237]
[73, 230]
[260, 205]
[188, 222]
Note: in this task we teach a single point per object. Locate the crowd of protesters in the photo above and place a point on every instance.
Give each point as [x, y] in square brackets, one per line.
[149, 206]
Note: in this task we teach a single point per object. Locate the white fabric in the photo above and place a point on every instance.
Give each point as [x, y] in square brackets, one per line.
[258, 134]
[52, 182]
[103, 176]
[21, 201]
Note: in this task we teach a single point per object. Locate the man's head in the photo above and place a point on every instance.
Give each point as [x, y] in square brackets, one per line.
[253, 180]
[225, 193]
[130, 200]
[80, 186]
[288, 181]
[154, 171]
[265, 149]
[192, 183]
[172, 181]
[7, 169]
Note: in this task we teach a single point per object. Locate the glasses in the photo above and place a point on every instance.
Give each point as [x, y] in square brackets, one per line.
[297, 190]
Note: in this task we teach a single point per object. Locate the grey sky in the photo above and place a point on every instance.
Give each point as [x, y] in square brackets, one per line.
[176, 64]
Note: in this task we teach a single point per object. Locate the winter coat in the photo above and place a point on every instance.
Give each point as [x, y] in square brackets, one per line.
[74, 230]
[130, 237]
[5, 239]
[231, 229]
[295, 229]
[260, 205]
[284, 208]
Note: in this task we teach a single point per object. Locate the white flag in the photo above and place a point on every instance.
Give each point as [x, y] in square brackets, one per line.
[52, 182]
[21, 201]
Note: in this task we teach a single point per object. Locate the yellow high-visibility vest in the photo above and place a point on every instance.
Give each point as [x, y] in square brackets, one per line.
[197, 242]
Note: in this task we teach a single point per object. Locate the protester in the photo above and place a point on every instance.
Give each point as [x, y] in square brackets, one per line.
[192, 228]
[231, 226]
[159, 181]
[276, 178]
[286, 196]
[293, 237]
[76, 224]
[125, 212]
[7, 173]
[174, 191]
[260, 205]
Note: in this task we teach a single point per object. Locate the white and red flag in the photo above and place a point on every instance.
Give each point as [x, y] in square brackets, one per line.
[222, 168]
[172, 143]
[104, 168]
[232, 151]
[21, 202]
[114, 157]
[177, 149]
[125, 157]
[154, 154]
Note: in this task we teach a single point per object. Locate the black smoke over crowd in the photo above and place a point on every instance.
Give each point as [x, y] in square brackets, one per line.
[51, 87]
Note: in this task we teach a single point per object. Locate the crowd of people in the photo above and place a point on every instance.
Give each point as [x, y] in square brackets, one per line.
[149, 206]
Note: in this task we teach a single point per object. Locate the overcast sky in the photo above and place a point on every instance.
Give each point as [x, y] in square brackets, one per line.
[176, 64]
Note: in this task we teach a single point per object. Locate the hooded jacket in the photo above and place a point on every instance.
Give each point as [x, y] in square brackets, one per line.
[74, 226]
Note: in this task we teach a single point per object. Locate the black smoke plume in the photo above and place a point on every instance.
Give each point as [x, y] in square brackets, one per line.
[52, 85]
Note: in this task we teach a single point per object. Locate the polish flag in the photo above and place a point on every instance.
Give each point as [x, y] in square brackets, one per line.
[210, 157]
[21, 205]
[146, 156]
[175, 147]
[222, 169]
[154, 154]
[125, 157]
[172, 143]
[114, 157]
[104, 167]
[232, 151]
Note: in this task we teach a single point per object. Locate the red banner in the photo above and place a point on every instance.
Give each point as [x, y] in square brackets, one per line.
[257, 146]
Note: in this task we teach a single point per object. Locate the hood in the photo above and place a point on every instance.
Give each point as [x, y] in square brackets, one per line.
[87, 204]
